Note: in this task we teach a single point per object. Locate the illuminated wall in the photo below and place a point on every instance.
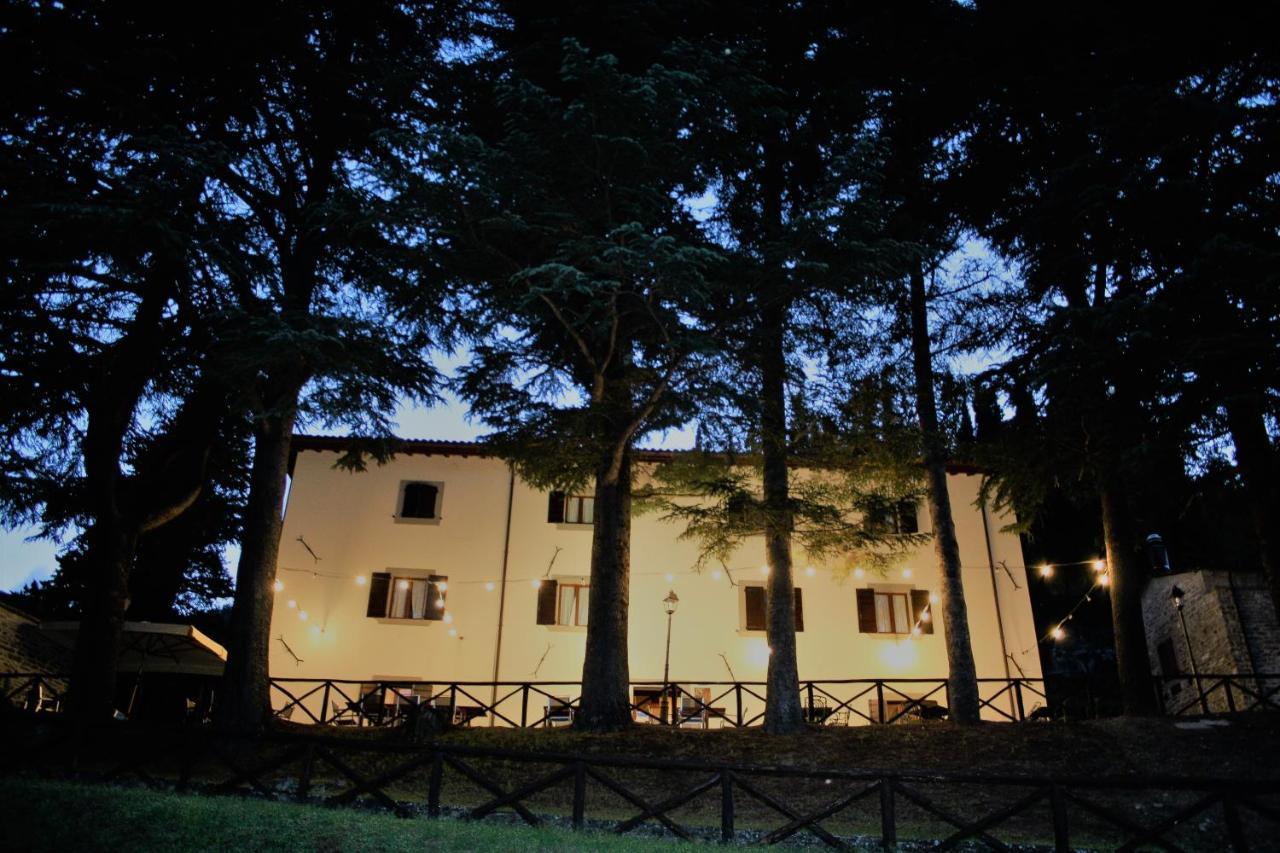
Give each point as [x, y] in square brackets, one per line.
[348, 522]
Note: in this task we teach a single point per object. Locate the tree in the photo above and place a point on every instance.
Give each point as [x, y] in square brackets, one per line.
[335, 309]
[584, 277]
[102, 225]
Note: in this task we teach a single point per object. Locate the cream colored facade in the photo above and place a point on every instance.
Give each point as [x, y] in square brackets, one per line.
[341, 528]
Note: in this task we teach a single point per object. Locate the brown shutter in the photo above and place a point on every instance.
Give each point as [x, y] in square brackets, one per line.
[433, 594]
[379, 586]
[547, 602]
[555, 512]
[799, 610]
[867, 611]
[755, 607]
[919, 601]
[908, 517]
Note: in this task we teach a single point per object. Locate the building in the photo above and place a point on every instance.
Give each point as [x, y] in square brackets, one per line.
[443, 567]
[1208, 634]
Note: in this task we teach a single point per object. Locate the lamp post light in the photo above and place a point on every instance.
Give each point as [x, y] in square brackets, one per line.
[670, 603]
[1178, 597]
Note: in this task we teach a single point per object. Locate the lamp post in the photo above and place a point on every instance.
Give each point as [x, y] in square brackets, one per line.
[670, 603]
[1177, 596]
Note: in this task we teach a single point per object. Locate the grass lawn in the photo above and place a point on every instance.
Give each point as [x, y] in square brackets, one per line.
[47, 815]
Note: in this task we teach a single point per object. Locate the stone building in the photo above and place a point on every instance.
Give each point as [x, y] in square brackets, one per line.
[24, 649]
[1231, 630]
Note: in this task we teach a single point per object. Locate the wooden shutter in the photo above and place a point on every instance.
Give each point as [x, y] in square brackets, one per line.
[919, 601]
[434, 594]
[555, 512]
[547, 602]
[379, 586]
[799, 609]
[867, 611]
[908, 517]
[755, 607]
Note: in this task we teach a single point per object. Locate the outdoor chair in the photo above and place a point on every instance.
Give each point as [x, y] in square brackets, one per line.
[693, 707]
[838, 717]
[343, 716]
[559, 711]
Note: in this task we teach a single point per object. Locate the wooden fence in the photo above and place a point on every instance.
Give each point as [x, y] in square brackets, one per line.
[840, 807]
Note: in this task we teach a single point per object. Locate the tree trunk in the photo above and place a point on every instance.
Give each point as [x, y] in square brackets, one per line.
[783, 713]
[1255, 459]
[1127, 580]
[606, 674]
[245, 701]
[93, 668]
[962, 677]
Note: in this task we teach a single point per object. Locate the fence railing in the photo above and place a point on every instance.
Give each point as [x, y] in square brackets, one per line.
[736, 704]
[840, 807]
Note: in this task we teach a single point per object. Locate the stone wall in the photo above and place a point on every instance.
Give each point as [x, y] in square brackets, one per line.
[24, 649]
[1232, 629]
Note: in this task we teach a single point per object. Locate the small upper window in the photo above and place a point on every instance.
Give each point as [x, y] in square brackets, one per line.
[419, 500]
[407, 597]
[755, 603]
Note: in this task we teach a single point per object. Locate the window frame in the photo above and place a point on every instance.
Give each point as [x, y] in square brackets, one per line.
[889, 596]
[744, 611]
[401, 518]
[581, 502]
[579, 617]
[433, 612]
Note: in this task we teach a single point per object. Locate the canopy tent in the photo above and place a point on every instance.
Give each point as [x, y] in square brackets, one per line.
[154, 647]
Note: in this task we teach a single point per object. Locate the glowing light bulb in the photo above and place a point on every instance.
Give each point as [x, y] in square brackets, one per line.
[934, 598]
[810, 571]
[858, 573]
[764, 570]
[442, 586]
[279, 586]
[453, 632]
[715, 574]
[925, 616]
[1046, 571]
[1099, 565]
[292, 604]
[536, 582]
[488, 587]
[448, 618]
[915, 632]
[906, 573]
[670, 577]
[1058, 633]
[302, 614]
[439, 603]
[360, 580]
[1105, 580]
[403, 584]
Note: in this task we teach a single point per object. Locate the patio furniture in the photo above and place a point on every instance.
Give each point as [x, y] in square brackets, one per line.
[648, 705]
[343, 716]
[559, 711]
[818, 711]
[693, 707]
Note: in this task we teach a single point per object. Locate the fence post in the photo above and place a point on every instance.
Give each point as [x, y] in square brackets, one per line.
[1231, 697]
[308, 763]
[433, 784]
[324, 701]
[1235, 832]
[726, 807]
[810, 700]
[579, 793]
[1061, 833]
[524, 706]
[888, 818]
[880, 717]
[1017, 690]
[737, 689]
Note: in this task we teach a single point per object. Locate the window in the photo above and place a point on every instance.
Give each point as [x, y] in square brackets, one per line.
[406, 597]
[419, 501]
[894, 611]
[901, 518]
[570, 509]
[754, 607]
[1169, 667]
[563, 602]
